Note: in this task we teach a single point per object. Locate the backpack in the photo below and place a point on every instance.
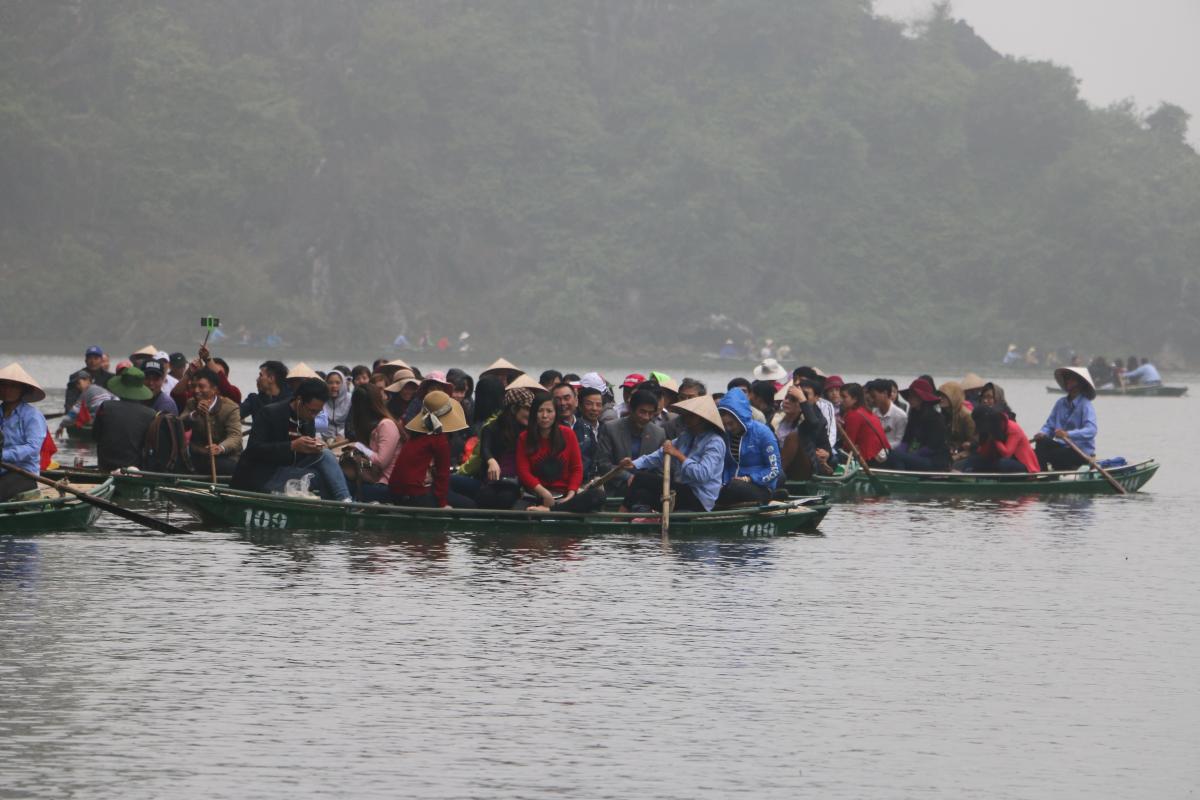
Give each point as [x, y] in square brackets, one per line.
[165, 449]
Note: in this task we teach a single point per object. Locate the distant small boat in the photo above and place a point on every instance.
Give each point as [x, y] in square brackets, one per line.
[1153, 390]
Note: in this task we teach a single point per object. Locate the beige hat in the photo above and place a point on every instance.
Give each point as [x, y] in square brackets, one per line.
[396, 364]
[523, 381]
[1089, 388]
[971, 382]
[704, 407]
[403, 377]
[441, 413]
[148, 350]
[302, 371]
[15, 374]
[502, 365]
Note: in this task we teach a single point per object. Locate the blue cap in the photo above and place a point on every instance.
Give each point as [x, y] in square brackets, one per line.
[94, 350]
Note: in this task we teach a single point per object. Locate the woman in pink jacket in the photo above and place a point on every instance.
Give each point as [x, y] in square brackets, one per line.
[377, 439]
[1003, 446]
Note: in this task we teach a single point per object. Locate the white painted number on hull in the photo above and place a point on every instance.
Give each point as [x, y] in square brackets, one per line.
[257, 518]
[758, 529]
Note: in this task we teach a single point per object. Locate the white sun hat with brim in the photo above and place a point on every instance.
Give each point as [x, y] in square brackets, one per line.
[503, 365]
[440, 413]
[704, 407]
[1089, 388]
[523, 381]
[302, 372]
[15, 373]
[770, 370]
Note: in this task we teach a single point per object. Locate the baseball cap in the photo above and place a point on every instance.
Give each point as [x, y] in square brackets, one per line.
[161, 355]
[178, 359]
[632, 380]
[83, 373]
[153, 368]
[94, 350]
[594, 380]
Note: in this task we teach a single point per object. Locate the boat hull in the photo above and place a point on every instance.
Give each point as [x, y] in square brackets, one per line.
[52, 515]
[132, 485]
[1133, 391]
[256, 511]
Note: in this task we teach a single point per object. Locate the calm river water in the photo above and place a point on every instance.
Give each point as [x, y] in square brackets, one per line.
[1011, 649]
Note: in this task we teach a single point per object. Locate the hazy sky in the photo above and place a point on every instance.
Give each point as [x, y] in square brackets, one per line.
[1140, 49]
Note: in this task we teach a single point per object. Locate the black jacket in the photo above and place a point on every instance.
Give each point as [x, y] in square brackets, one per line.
[120, 432]
[255, 402]
[270, 445]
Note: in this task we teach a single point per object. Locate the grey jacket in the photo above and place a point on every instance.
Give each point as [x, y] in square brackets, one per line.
[616, 442]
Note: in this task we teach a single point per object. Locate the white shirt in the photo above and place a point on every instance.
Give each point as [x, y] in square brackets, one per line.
[830, 413]
[894, 423]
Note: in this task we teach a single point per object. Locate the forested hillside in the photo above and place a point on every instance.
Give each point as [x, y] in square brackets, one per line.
[575, 170]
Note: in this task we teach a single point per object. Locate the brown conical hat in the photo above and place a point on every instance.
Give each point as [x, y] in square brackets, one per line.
[15, 373]
[503, 365]
[703, 406]
[302, 371]
[523, 381]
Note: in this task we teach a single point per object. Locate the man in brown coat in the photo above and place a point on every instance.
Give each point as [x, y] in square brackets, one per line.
[216, 425]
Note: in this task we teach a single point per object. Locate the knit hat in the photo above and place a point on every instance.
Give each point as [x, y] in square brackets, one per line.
[518, 397]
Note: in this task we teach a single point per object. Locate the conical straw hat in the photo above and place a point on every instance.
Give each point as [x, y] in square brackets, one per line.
[16, 374]
[971, 382]
[302, 371]
[1089, 388]
[523, 381]
[704, 407]
[148, 350]
[503, 365]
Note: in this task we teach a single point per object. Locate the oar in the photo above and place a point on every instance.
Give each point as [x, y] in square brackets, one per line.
[112, 508]
[599, 480]
[55, 415]
[876, 484]
[212, 458]
[666, 496]
[1089, 459]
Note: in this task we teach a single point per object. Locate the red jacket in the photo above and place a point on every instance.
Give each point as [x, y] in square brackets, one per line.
[1016, 445]
[412, 465]
[570, 476]
[864, 429]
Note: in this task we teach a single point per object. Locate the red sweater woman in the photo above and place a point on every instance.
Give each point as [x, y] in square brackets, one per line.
[428, 451]
[862, 427]
[549, 462]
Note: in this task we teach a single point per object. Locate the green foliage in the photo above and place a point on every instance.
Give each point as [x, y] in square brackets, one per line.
[578, 175]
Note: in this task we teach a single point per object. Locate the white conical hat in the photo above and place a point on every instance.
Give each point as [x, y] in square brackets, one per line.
[148, 350]
[16, 374]
[704, 407]
[1089, 388]
[523, 381]
[302, 371]
[502, 365]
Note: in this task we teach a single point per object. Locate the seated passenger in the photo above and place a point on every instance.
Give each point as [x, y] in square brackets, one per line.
[862, 427]
[284, 445]
[377, 439]
[752, 460]
[1145, 374]
[156, 377]
[1072, 418]
[91, 397]
[992, 395]
[208, 414]
[1003, 446]
[800, 430]
[501, 487]
[696, 478]
[631, 436]
[93, 365]
[22, 430]
[924, 447]
[549, 464]
[960, 428]
[427, 452]
[891, 417]
[122, 424]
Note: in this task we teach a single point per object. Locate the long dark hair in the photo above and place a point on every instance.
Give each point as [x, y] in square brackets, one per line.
[855, 392]
[533, 437]
[367, 409]
[990, 423]
[489, 398]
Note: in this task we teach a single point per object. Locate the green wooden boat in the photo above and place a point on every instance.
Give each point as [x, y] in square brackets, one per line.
[1157, 390]
[51, 512]
[77, 433]
[256, 511]
[131, 484]
[980, 484]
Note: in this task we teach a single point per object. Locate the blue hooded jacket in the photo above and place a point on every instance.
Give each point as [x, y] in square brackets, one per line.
[758, 457]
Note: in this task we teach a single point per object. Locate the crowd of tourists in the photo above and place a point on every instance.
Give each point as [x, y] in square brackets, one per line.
[392, 433]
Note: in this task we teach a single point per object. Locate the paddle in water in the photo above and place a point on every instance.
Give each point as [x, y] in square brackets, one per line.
[144, 520]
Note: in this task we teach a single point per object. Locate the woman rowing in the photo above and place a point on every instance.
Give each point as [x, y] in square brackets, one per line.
[700, 452]
[23, 430]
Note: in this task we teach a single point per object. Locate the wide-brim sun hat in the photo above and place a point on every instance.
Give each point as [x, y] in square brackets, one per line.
[971, 382]
[440, 413]
[501, 365]
[770, 370]
[302, 372]
[703, 406]
[130, 384]
[436, 378]
[523, 381]
[403, 377]
[922, 389]
[15, 373]
[1089, 388]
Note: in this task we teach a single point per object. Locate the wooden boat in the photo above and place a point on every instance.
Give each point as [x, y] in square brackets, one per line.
[131, 484]
[79, 433]
[986, 484]
[254, 510]
[49, 511]
[1155, 390]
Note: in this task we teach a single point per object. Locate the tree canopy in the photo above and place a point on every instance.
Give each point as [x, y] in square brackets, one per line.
[545, 171]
